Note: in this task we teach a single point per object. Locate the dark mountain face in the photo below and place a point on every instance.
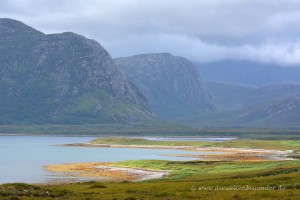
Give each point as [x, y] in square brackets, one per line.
[171, 84]
[61, 78]
[248, 73]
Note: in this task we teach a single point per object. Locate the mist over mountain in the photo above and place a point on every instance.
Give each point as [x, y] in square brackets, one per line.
[62, 78]
[235, 97]
[284, 113]
[273, 106]
[171, 85]
[248, 73]
[250, 94]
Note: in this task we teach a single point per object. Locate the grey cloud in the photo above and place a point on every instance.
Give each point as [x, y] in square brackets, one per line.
[283, 54]
[202, 31]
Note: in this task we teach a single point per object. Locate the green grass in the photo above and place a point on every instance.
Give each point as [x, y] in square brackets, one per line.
[138, 141]
[295, 143]
[262, 144]
[197, 174]
[253, 144]
[179, 170]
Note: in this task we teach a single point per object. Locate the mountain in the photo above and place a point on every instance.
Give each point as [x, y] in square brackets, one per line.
[235, 97]
[274, 106]
[171, 84]
[248, 73]
[231, 96]
[282, 114]
[62, 78]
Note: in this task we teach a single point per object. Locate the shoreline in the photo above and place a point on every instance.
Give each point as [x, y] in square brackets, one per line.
[224, 153]
[118, 136]
[105, 172]
[108, 173]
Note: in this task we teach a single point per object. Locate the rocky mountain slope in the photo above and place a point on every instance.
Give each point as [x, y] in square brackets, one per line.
[171, 84]
[62, 78]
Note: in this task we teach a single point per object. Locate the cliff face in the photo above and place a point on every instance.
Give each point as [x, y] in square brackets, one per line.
[171, 84]
[62, 78]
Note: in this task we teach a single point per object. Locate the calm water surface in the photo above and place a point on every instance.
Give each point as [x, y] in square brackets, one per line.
[22, 157]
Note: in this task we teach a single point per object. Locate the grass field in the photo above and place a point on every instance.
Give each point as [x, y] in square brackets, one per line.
[188, 180]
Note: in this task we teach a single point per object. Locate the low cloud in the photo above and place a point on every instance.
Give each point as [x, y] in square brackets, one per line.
[203, 31]
[282, 54]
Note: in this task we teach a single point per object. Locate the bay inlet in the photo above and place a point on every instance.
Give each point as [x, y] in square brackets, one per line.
[22, 158]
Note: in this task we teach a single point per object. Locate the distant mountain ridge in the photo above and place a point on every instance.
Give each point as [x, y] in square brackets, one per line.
[234, 97]
[171, 84]
[282, 114]
[62, 78]
[248, 73]
[274, 106]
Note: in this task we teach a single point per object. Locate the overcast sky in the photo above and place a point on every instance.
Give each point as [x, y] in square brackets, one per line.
[200, 30]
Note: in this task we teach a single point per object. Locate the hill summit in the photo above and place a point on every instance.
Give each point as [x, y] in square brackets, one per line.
[171, 84]
[62, 78]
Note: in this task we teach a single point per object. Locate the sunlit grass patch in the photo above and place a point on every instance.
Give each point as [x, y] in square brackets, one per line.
[251, 144]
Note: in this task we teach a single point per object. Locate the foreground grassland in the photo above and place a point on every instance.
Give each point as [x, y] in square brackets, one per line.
[211, 180]
[188, 180]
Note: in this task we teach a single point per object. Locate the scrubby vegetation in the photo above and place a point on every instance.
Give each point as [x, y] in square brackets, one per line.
[188, 180]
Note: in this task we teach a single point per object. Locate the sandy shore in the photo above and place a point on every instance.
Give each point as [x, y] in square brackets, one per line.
[220, 154]
[108, 172]
[105, 172]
